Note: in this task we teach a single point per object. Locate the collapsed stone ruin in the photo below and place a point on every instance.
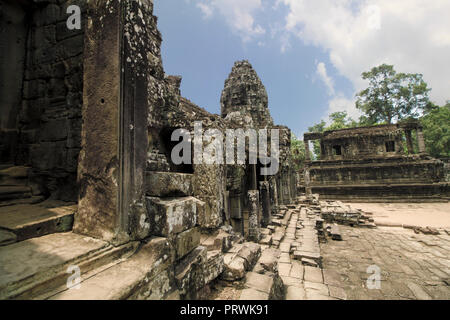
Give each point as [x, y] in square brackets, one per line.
[86, 176]
[89, 191]
[378, 163]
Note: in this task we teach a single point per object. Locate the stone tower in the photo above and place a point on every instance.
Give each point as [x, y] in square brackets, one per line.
[244, 97]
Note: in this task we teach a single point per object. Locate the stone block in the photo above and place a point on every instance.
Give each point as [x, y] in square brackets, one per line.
[252, 294]
[165, 184]
[214, 265]
[337, 292]
[173, 215]
[320, 287]
[211, 215]
[297, 270]
[284, 269]
[266, 240]
[285, 247]
[234, 267]
[189, 272]
[295, 293]
[186, 241]
[313, 274]
[269, 259]
[259, 282]
[251, 253]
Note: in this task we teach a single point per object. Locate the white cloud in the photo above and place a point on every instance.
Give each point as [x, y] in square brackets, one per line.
[341, 103]
[337, 101]
[413, 35]
[321, 71]
[206, 9]
[239, 14]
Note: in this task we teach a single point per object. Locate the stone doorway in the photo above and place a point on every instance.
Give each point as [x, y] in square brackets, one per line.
[41, 84]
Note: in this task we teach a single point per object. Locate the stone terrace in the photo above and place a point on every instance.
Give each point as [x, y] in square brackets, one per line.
[413, 266]
[297, 261]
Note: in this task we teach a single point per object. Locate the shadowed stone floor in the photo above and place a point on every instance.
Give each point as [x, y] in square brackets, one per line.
[413, 266]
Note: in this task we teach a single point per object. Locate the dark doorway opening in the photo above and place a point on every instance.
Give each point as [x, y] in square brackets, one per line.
[390, 146]
[337, 150]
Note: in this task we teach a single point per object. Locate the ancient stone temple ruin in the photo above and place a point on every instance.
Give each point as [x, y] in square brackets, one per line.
[86, 176]
[375, 163]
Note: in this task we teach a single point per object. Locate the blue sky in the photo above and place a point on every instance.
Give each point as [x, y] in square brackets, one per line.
[308, 54]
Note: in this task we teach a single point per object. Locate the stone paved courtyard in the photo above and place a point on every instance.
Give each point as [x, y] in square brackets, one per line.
[413, 266]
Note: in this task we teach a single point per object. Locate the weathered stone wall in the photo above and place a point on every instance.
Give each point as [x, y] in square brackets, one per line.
[412, 169]
[49, 120]
[13, 39]
[372, 164]
[361, 142]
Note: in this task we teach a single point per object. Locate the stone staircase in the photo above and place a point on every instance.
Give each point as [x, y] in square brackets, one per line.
[14, 186]
[38, 268]
[178, 262]
[23, 212]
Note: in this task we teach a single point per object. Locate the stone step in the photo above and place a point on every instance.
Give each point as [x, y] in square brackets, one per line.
[12, 173]
[14, 192]
[144, 275]
[31, 200]
[28, 221]
[4, 166]
[37, 268]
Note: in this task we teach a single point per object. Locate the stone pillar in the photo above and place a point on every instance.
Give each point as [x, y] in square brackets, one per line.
[307, 152]
[265, 200]
[409, 143]
[307, 182]
[114, 134]
[253, 216]
[273, 195]
[254, 185]
[420, 140]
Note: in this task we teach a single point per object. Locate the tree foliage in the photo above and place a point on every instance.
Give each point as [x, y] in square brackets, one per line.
[436, 130]
[392, 96]
[298, 152]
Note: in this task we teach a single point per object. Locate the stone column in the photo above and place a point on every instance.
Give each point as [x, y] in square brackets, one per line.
[253, 214]
[307, 182]
[307, 152]
[114, 134]
[265, 200]
[273, 195]
[420, 140]
[409, 143]
[254, 185]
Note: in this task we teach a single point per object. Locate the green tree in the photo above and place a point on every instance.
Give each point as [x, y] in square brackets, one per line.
[436, 130]
[318, 127]
[392, 96]
[298, 152]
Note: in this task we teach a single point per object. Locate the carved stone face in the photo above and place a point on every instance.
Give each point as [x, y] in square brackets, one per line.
[244, 92]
